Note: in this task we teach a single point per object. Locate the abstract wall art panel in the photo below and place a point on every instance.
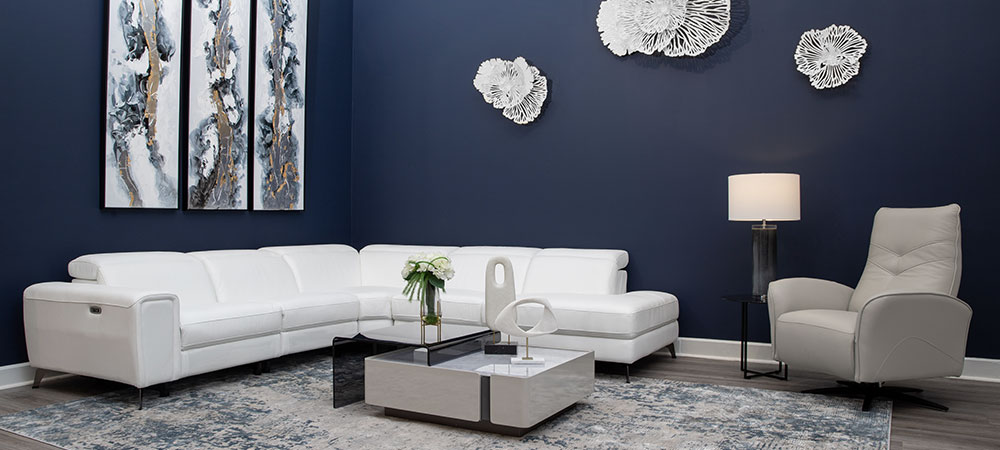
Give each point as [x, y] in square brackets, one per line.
[218, 115]
[279, 105]
[142, 104]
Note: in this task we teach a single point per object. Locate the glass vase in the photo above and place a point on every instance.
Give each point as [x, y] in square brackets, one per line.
[430, 313]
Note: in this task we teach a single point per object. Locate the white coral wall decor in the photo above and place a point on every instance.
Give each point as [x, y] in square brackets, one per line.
[674, 27]
[513, 86]
[830, 56]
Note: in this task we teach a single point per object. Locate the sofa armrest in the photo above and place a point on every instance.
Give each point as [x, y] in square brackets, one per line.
[902, 336]
[114, 333]
[796, 294]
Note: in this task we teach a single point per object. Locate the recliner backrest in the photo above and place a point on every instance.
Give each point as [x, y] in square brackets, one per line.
[243, 276]
[176, 273]
[912, 250]
[470, 262]
[382, 264]
[322, 268]
[576, 271]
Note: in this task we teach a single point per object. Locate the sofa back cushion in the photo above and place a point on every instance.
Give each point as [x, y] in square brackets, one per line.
[176, 273]
[241, 276]
[382, 264]
[321, 268]
[470, 266]
[575, 271]
[912, 250]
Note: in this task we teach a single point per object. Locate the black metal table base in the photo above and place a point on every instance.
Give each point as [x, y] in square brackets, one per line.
[781, 373]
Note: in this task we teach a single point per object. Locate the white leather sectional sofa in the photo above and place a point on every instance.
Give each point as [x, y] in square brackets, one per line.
[153, 317]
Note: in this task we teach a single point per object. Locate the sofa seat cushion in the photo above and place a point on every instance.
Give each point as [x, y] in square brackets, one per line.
[312, 310]
[375, 301]
[205, 325]
[817, 339]
[457, 306]
[620, 316]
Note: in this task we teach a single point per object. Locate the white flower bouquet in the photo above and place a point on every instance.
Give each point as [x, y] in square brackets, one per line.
[424, 274]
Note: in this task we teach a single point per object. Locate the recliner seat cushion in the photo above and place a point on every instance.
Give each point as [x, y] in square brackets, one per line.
[622, 316]
[818, 339]
[176, 273]
[311, 310]
[457, 306]
[375, 302]
[206, 325]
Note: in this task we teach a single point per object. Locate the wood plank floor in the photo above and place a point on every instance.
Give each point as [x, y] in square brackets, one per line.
[972, 423]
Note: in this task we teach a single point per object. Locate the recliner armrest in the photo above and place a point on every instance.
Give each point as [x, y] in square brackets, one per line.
[796, 294]
[92, 294]
[109, 332]
[903, 336]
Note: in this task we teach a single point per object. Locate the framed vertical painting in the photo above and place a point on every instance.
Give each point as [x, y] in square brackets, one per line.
[279, 104]
[142, 104]
[218, 104]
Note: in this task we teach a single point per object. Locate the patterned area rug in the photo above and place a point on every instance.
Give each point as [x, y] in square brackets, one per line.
[291, 408]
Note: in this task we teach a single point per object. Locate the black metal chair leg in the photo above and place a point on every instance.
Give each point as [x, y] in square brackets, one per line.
[673, 350]
[918, 401]
[39, 374]
[870, 391]
[867, 405]
[140, 399]
[627, 379]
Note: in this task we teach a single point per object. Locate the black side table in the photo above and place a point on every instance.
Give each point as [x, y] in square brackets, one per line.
[745, 300]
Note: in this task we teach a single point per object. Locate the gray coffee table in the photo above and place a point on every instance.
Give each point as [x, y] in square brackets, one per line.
[479, 391]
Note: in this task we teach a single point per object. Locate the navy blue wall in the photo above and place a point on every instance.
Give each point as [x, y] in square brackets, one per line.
[633, 152]
[52, 129]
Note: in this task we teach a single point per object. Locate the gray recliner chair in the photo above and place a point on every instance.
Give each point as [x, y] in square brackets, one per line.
[903, 321]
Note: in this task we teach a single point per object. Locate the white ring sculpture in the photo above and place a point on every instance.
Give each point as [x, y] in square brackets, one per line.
[506, 321]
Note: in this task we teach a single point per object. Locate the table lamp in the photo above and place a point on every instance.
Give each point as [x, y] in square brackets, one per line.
[764, 197]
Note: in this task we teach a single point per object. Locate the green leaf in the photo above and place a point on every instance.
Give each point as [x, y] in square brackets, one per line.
[436, 282]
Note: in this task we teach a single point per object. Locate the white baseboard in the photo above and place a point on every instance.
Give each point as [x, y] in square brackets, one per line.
[978, 369]
[16, 375]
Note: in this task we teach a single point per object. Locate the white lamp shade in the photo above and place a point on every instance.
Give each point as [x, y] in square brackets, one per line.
[764, 196]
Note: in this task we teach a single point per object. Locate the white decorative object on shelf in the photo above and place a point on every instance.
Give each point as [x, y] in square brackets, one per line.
[513, 86]
[674, 27]
[506, 322]
[830, 56]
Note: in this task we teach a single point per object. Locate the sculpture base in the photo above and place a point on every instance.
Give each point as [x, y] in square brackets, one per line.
[500, 349]
[527, 362]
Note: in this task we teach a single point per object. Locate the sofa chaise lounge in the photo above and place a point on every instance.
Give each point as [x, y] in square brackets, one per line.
[148, 318]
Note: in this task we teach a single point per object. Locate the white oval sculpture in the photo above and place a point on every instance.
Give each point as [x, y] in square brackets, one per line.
[674, 27]
[506, 321]
[498, 295]
[830, 56]
[513, 86]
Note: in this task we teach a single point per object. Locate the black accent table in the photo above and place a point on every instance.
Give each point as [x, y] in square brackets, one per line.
[456, 341]
[745, 300]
